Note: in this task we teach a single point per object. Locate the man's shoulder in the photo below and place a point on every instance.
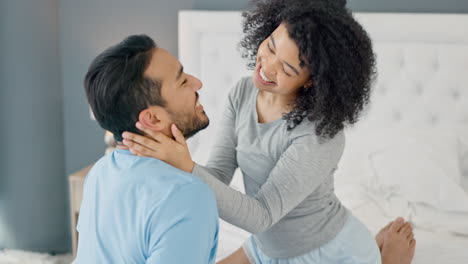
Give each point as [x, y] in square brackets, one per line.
[195, 194]
[153, 170]
[154, 175]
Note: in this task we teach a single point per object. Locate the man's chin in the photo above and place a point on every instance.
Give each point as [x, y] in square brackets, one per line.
[202, 125]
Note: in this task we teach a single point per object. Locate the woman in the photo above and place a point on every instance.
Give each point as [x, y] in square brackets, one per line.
[283, 127]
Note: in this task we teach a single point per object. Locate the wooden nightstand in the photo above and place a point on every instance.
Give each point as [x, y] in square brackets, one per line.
[75, 182]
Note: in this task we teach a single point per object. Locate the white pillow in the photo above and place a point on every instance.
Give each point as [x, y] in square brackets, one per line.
[361, 143]
[422, 166]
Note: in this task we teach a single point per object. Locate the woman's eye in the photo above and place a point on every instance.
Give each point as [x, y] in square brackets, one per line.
[285, 72]
[269, 48]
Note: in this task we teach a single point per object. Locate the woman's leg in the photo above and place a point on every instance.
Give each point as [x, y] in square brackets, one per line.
[395, 241]
[238, 257]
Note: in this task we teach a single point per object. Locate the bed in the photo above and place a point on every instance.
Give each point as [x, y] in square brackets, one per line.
[408, 155]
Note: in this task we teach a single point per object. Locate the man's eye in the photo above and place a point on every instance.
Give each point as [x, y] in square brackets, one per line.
[289, 75]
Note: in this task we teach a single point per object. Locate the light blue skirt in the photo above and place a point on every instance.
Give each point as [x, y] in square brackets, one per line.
[353, 244]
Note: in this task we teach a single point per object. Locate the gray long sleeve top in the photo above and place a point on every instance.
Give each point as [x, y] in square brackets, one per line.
[289, 205]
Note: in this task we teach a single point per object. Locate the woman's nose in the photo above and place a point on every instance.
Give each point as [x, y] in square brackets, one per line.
[267, 68]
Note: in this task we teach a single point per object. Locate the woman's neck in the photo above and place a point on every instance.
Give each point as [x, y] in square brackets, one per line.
[278, 101]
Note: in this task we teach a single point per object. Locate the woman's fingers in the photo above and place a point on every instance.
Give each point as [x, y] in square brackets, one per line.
[178, 135]
[158, 136]
[158, 145]
[134, 152]
[141, 150]
[131, 139]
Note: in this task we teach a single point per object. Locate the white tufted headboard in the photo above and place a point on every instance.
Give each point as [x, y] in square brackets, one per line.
[422, 62]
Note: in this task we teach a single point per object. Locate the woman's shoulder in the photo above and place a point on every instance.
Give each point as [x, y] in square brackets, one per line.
[246, 82]
[242, 92]
[306, 131]
[243, 88]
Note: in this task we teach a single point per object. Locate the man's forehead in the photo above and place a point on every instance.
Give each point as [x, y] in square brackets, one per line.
[163, 65]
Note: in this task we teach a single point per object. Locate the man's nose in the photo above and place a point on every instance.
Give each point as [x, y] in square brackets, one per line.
[197, 84]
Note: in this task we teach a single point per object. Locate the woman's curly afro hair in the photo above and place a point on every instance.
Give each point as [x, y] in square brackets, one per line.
[333, 47]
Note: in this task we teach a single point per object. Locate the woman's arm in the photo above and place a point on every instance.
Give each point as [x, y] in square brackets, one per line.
[222, 162]
[298, 172]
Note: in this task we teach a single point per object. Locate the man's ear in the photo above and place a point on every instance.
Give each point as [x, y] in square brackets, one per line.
[154, 118]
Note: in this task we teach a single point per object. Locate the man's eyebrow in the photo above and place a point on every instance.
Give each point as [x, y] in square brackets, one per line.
[292, 68]
[180, 72]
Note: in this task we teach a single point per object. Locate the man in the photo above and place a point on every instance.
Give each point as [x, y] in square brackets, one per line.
[137, 209]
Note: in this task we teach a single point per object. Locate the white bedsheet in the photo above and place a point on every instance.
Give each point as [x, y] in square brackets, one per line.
[434, 244]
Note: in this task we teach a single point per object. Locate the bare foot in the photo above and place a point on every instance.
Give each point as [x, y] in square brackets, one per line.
[379, 238]
[399, 244]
